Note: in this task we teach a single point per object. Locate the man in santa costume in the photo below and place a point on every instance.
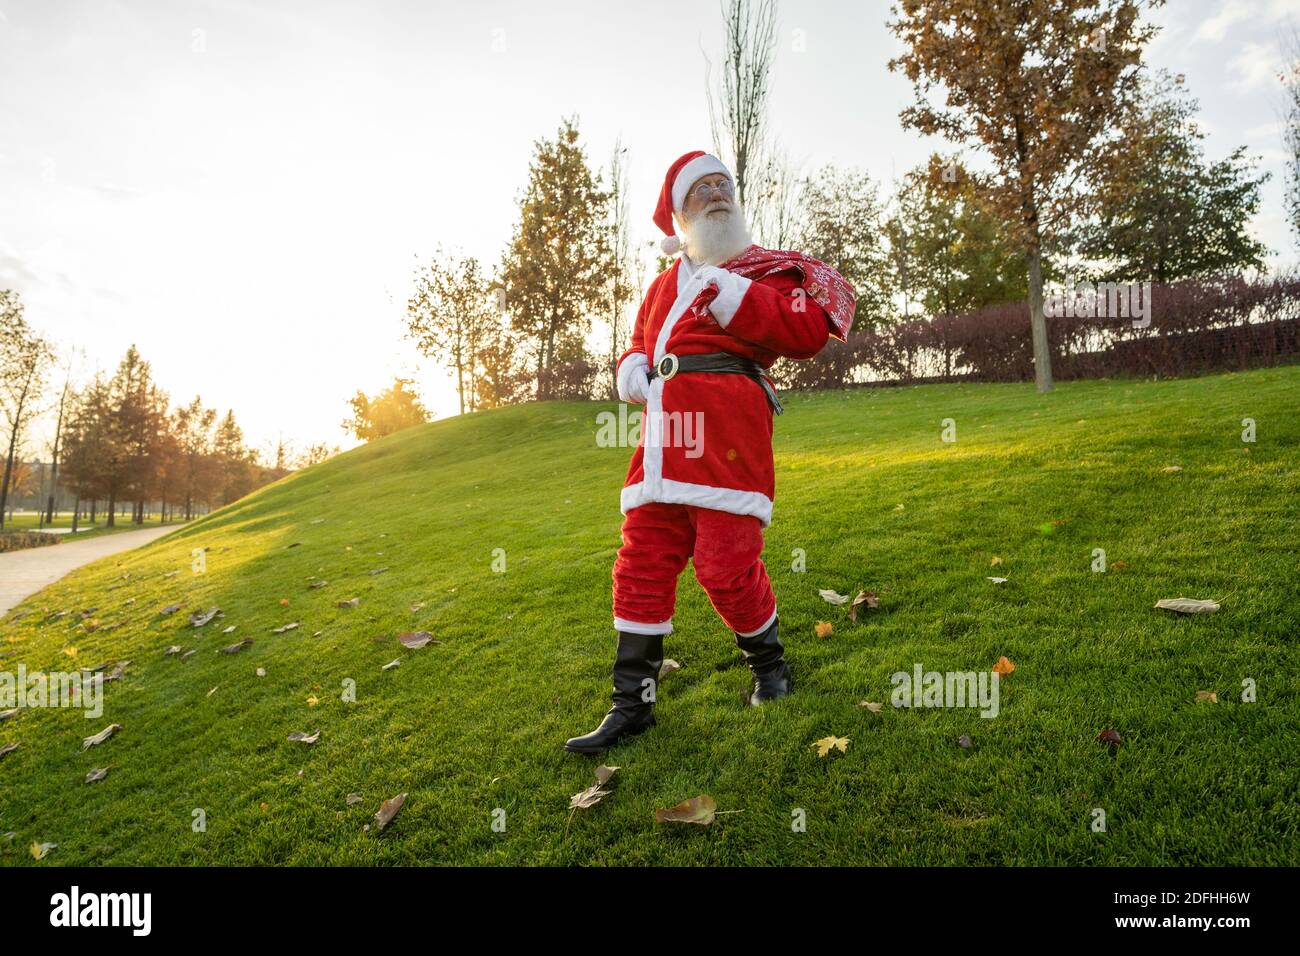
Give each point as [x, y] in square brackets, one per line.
[700, 484]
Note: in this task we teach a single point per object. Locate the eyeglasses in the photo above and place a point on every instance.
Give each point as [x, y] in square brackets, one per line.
[705, 190]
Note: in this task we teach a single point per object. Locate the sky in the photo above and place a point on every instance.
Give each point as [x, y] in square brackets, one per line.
[243, 190]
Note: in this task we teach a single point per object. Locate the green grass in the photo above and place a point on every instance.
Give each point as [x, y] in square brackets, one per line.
[477, 722]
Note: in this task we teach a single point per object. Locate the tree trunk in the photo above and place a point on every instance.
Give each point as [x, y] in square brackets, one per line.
[9, 467]
[1037, 321]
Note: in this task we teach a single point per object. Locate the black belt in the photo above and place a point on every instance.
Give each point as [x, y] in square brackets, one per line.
[671, 365]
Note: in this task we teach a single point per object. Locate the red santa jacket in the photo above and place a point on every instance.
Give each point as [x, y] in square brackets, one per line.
[706, 437]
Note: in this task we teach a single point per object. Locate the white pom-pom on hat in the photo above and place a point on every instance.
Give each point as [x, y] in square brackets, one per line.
[671, 245]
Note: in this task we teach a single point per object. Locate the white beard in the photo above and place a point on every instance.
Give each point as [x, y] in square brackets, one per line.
[712, 240]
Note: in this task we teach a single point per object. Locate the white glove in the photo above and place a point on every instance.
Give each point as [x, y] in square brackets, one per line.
[731, 289]
[633, 378]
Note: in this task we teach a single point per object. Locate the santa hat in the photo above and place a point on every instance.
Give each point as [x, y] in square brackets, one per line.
[681, 176]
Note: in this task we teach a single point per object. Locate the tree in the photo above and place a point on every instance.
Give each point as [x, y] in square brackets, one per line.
[65, 398]
[236, 463]
[1291, 128]
[553, 269]
[24, 356]
[950, 244]
[1037, 85]
[448, 315]
[390, 411]
[1162, 212]
[618, 270]
[844, 228]
[196, 471]
[87, 436]
[749, 45]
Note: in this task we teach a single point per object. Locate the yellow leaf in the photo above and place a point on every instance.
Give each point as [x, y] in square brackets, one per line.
[826, 744]
[699, 809]
[70, 651]
[1203, 695]
[822, 628]
[1003, 666]
[996, 561]
[312, 701]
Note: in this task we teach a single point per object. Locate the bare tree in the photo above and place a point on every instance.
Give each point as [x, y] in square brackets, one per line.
[620, 242]
[24, 356]
[738, 110]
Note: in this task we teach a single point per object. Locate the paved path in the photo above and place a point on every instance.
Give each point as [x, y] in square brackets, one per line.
[26, 572]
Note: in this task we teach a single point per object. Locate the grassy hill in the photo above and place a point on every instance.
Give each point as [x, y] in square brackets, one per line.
[873, 497]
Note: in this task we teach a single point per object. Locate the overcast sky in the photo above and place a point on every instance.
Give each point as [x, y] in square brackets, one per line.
[242, 189]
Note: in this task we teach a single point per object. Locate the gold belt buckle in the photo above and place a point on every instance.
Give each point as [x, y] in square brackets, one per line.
[667, 366]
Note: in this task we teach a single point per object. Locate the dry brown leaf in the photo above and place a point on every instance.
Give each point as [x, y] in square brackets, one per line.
[39, 850]
[998, 580]
[98, 773]
[317, 584]
[236, 648]
[604, 773]
[388, 809]
[351, 602]
[870, 705]
[8, 749]
[353, 799]
[170, 609]
[416, 639]
[831, 597]
[100, 737]
[299, 737]
[199, 618]
[588, 798]
[1004, 666]
[864, 597]
[391, 664]
[701, 810]
[1207, 695]
[667, 667]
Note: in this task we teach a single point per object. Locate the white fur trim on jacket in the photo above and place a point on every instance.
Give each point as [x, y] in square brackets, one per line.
[686, 176]
[633, 380]
[702, 496]
[731, 290]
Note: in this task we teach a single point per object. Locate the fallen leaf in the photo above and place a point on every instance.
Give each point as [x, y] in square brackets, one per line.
[170, 609]
[353, 602]
[998, 580]
[416, 639]
[8, 749]
[864, 597]
[100, 737]
[299, 737]
[353, 799]
[230, 629]
[996, 561]
[701, 810]
[826, 744]
[604, 773]
[1111, 737]
[667, 667]
[822, 628]
[39, 850]
[832, 597]
[199, 618]
[870, 705]
[964, 742]
[212, 691]
[97, 774]
[1003, 666]
[288, 627]
[6, 714]
[1118, 565]
[1187, 605]
[174, 649]
[587, 798]
[317, 584]
[377, 571]
[313, 700]
[388, 809]
[235, 648]
[390, 665]
[1204, 695]
[1172, 468]
[261, 672]
[284, 602]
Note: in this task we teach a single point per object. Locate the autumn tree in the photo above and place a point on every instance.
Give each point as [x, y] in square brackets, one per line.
[196, 471]
[620, 291]
[392, 410]
[449, 314]
[24, 357]
[553, 271]
[236, 463]
[1162, 211]
[1036, 86]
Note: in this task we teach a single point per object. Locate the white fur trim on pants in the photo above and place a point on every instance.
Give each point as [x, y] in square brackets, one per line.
[636, 627]
[761, 629]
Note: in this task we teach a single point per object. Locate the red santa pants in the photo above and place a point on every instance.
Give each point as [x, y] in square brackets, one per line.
[658, 539]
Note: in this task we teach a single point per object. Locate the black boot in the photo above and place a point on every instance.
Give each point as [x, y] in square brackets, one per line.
[765, 656]
[638, 659]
